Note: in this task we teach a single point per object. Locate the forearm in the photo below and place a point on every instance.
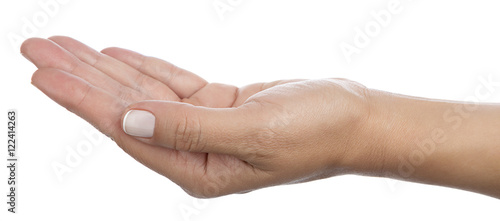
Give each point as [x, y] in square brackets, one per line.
[436, 142]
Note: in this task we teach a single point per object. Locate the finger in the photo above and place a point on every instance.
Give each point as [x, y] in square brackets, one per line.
[246, 92]
[214, 95]
[190, 128]
[104, 111]
[47, 54]
[117, 70]
[98, 107]
[201, 174]
[182, 82]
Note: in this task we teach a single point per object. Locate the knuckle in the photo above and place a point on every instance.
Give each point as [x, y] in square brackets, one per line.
[188, 134]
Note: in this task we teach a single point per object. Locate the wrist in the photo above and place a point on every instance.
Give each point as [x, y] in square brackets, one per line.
[393, 127]
[443, 143]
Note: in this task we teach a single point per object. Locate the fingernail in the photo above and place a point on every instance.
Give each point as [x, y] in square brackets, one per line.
[139, 123]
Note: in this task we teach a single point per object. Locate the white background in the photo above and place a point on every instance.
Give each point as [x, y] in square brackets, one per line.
[436, 49]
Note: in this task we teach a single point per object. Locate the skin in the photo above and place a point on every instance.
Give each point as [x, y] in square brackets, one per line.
[214, 139]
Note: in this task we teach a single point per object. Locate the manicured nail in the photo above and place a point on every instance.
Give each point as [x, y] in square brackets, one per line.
[139, 123]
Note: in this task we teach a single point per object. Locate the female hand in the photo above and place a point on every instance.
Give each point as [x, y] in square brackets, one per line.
[213, 139]
[210, 139]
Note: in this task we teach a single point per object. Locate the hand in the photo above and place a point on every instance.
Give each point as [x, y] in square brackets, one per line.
[211, 139]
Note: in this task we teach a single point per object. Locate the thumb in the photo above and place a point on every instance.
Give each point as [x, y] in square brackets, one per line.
[185, 127]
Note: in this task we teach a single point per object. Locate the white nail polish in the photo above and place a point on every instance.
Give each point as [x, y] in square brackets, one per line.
[139, 123]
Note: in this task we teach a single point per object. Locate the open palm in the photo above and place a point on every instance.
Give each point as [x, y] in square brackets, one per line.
[283, 132]
[98, 86]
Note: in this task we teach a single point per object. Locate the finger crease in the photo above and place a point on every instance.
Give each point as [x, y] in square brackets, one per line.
[87, 91]
[140, 67]
[235, 96]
